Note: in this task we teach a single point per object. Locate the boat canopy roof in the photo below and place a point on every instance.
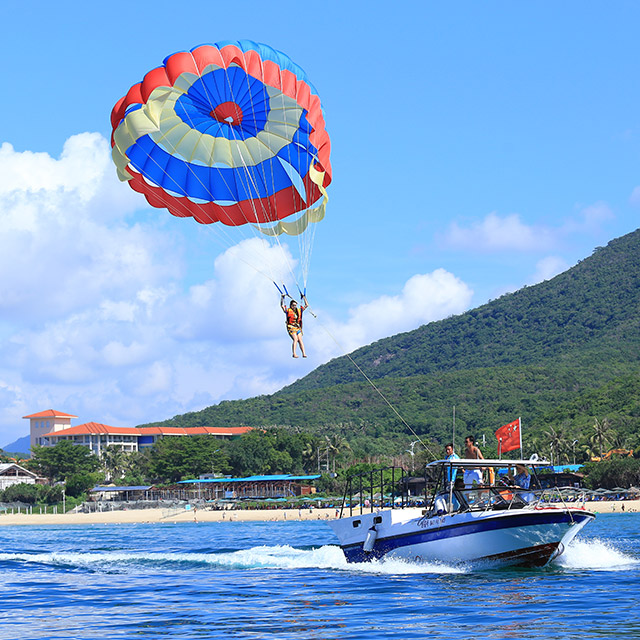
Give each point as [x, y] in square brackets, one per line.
[487, 462]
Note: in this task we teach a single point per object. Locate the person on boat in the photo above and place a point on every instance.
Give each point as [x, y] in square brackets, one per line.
[522, 477]
[472, 452]
[450, 454]
[293, 321]
[441, 503]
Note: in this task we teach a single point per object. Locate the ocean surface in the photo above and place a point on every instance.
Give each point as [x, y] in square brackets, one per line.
[290, 580]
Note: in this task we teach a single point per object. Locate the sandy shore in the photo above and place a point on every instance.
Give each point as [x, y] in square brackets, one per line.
[270, 515]
[168, 515]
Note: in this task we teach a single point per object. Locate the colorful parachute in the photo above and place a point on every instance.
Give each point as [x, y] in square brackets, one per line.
[232, 133]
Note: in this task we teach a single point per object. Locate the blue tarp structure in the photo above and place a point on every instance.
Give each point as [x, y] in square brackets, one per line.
[561, 468]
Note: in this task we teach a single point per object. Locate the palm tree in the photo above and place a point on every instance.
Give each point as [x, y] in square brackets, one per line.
[114, 461]
[309, 455]
[601, 434]
[556, 438]
[336, 444]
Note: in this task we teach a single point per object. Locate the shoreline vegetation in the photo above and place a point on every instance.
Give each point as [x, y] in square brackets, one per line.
[148, 516]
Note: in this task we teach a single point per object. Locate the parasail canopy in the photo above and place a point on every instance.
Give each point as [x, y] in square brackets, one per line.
[229, 133]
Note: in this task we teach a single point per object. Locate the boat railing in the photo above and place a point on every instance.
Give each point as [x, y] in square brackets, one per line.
[484, 498]
[376, 488]
[513, 497]
[566, 496]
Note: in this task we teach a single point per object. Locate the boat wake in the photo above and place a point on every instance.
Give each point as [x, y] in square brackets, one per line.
[595, 554]
[591, 554]
[283, 557]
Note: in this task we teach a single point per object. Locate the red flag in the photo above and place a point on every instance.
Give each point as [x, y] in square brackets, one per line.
[509, 436]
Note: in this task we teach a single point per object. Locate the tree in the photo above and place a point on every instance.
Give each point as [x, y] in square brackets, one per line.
[64, 460]
[608, 474]
[22, 492]
[601, 434]
[114, 462]
[336, 444]
[79, 483]
[556, 438]
[180, 458]
[269, 451]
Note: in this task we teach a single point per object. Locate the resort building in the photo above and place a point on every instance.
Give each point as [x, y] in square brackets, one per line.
[46, 422]
[97, 436]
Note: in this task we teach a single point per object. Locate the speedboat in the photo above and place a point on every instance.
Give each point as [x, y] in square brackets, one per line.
[493, 521]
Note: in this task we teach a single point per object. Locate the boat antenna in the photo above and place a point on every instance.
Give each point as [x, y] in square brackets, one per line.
[453, 435]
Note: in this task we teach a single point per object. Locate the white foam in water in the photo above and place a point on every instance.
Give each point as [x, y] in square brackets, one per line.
[326, 557]
[274, 557]
[594, 554]
[398, 566]
[282, 557]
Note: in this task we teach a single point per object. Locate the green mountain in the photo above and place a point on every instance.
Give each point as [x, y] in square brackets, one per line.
[559, 354]
[589, 310]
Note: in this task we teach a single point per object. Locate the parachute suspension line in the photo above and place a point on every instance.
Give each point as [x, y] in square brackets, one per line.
[221, 234]
[271, 215]
[377, 390]
[251, 184]
[304, 239]
[221, 228]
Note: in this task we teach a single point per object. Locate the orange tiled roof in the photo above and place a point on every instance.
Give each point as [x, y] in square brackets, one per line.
[94, 428]
[50, 413]
[192, 431]
[103, 429]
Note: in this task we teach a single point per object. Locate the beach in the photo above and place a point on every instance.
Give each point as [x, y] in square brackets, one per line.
[229, 515]
[167, 515]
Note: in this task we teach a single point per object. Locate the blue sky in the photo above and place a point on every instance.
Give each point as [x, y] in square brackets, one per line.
[476, 148]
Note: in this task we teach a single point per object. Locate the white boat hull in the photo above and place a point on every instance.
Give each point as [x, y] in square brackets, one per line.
[527, 537]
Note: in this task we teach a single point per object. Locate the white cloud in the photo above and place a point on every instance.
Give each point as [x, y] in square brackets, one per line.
[495, 233]
[424, 298]
[597, 213]
[97, 320]
[589, 219]
[548, 268]
[634, 198]
[63, 241]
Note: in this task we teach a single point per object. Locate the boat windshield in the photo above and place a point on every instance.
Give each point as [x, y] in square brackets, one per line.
[480, 498]
[493, 485]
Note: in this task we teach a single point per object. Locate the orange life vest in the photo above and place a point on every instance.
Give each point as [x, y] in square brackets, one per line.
[294, 317]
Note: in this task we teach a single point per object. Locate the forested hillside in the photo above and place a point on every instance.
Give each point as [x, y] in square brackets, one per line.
[559, 354]
[588, 311]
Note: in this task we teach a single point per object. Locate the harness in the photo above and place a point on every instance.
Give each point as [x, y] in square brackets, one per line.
[294, 318]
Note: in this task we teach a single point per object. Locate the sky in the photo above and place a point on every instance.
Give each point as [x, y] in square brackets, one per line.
[476, 148]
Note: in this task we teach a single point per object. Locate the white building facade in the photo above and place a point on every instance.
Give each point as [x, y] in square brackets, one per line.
[11, 473]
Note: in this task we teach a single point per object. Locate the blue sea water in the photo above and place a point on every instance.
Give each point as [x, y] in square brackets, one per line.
[290, 580]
